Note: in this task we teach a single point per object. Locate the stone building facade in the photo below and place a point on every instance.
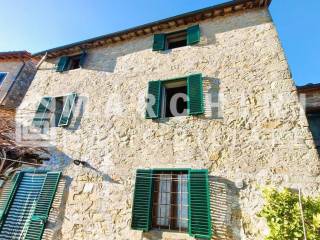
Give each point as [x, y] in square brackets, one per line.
[252, 133]
[17, 70]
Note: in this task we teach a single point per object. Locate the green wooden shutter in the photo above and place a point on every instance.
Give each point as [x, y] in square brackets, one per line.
[22, 206]
[7, 196]
[195, 94]
[63, 64]
[82, 59]
[67, 110]
[159, 41]
[199, 204]
[142, 202]
[193, 35]
[154, 100]
[43, 206]
[43, 112]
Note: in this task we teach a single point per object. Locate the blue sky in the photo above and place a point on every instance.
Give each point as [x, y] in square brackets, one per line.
[38, 25]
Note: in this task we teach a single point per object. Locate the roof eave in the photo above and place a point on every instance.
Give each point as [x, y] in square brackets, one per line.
[145, 29]
[15, 56]
[309, 88]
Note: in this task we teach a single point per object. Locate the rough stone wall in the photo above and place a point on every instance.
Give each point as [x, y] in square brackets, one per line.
[16, 83]
[259, 136]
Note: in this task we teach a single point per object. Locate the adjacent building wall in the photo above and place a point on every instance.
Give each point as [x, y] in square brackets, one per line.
[12, 69]
[15, 85]
[260, 136]
[310, 96]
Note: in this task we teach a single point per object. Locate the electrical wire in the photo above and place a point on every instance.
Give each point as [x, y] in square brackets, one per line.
[139, 175]
[19, 161]
[194, 176]
[209, 178]
[302, 217]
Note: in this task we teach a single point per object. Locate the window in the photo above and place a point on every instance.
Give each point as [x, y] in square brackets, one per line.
[177, 97]
[2, 77]
[314, 125]
[176, 40]
[26, 203]
[55, 111]
[74, 62]
[172, 199]
[66, 63]
[165, 41]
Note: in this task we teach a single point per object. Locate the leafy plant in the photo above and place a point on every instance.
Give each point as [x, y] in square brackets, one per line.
[283, 214]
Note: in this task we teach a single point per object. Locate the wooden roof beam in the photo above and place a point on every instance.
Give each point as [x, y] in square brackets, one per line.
[172, 24]
[148, 30]
[218, 12]
[181, 22]
[155, 28]
[116, 39]
[208, 14]
[164, 26]
[132, 34]
[238, 7]
[140, 32]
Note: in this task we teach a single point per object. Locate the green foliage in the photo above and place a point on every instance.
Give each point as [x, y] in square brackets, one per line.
[283, 215]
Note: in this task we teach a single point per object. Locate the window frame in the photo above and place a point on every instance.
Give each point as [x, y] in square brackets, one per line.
[163, 100]
[72, 58]
[198, 201]
[53, 121]
[173, 201]
[183, 32]
[4, 78]
[64, 98]
[66, 66]
[160, 114]
[192, 36]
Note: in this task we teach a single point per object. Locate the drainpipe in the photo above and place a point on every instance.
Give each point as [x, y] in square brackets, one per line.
[302, 217]
[42, 60]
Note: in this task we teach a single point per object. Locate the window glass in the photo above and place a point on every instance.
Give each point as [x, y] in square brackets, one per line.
[170, 204]
[2, 77]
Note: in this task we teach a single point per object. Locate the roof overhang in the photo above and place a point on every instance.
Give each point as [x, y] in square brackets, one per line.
[308, 88]
[153, 27]
[14, 56]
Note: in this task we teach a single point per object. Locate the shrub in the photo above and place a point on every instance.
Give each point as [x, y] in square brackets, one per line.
[283, 215]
